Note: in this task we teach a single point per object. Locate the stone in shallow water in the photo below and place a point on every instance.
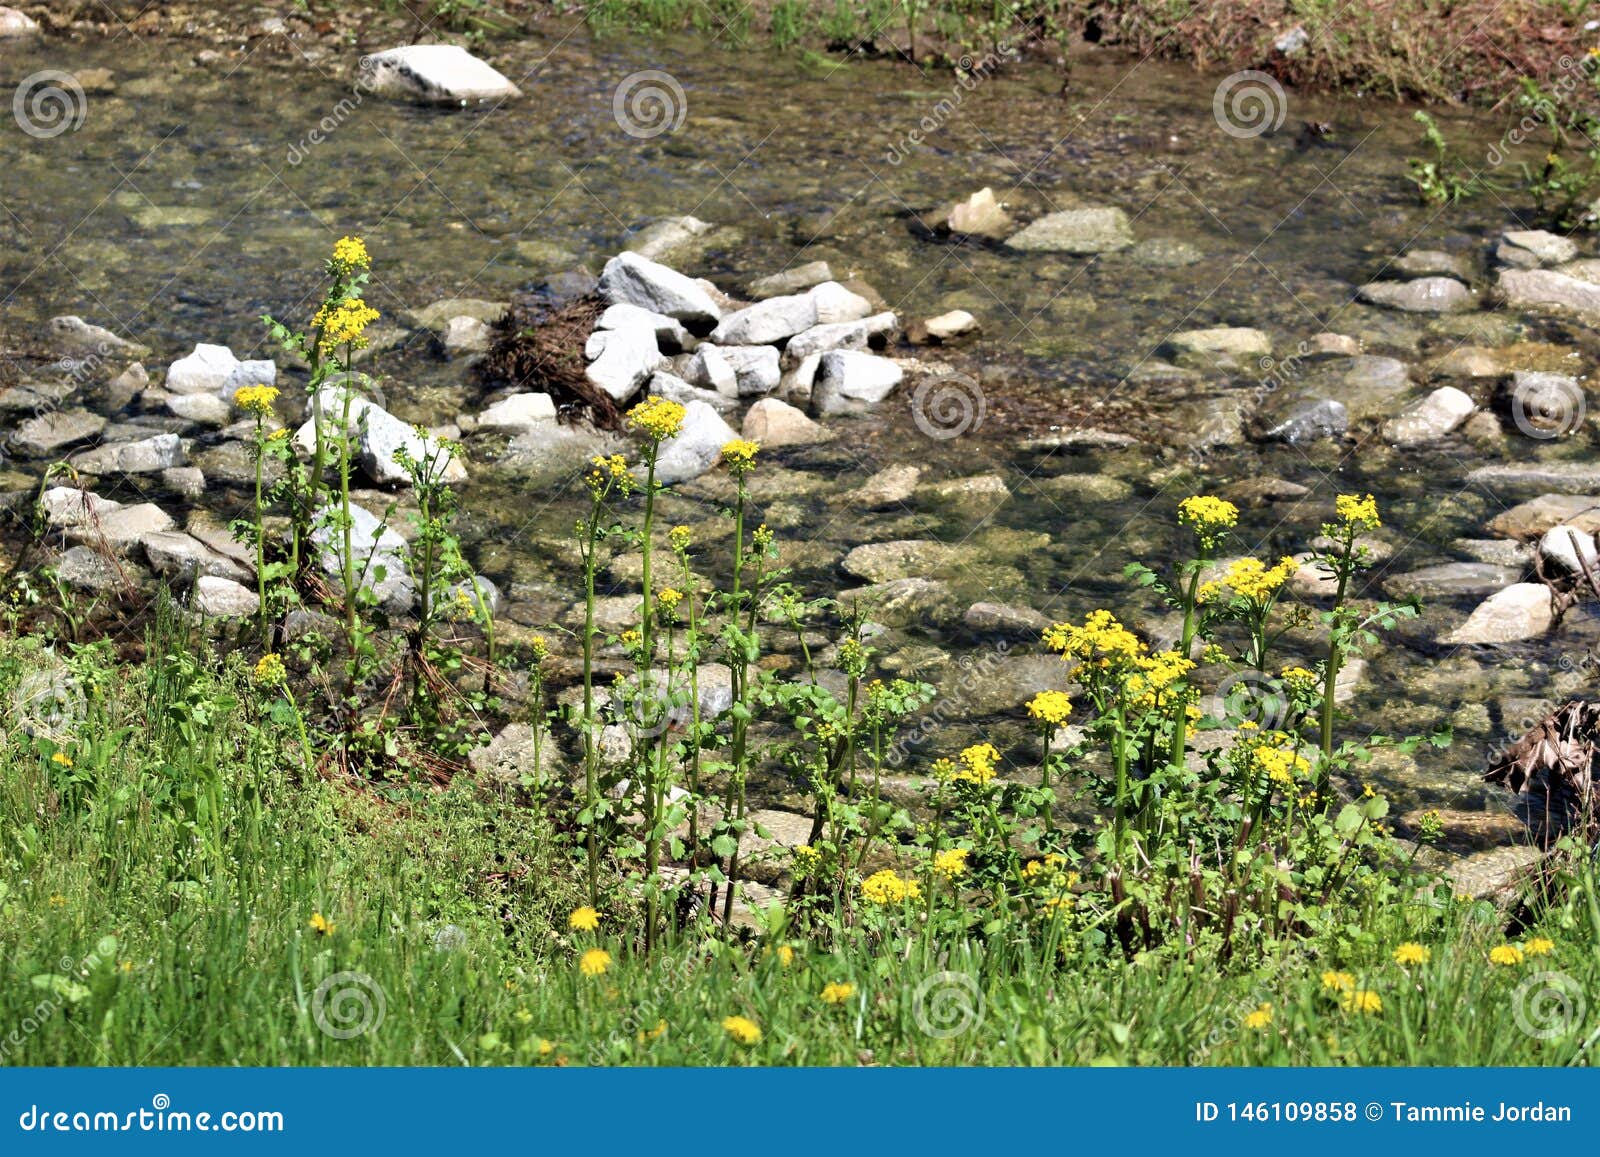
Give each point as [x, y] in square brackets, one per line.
[149, 456]
[696, 448]
[772, 320]
[773, 423]
[1567, 477]
[181, 558]
[1520, 611]
[220, 598]
[639, 281]
[518, 414]
[213, 369]
[850, 380]
[1531, 248]
[890, 486]
[662, 237]
[1240, 341]
[1433, 263]
[837, 302]
[1570, 549]
[1005, 619]
[1537, 515]
[1549, 291]
[1165, 253]
[46, 434]
[980, 215]
[433, 74]
[72, 337]
[904, 602]
[878, 562]
[796, 280]
[623, 359]
[1430, 418]
[1452, 580]
[1078, 231]
[378, 557]
[1424, 295]
[85, 569]
[1298, 416]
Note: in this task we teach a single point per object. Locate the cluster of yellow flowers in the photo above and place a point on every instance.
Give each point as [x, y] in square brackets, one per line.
[657, 417]
[1259, 1018]
[837, 993]
[1510, 955]
[1209, 517]
[1154, 676]
[1052, 707]
[951, 863]
[1299, 680]
[61, 759]
[889, 887]
[1274, 752]
[977, 764]
[349, 254]
[344, 323]
[680, 537]
[1249, 578]
[270, 670]
[1102, 641]
[608, 469]
[1357, 511]
[256, 400]
[320, 924]
[742, 1029]
[740, 455]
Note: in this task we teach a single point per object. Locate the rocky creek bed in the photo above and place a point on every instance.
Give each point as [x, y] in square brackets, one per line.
[983, 386]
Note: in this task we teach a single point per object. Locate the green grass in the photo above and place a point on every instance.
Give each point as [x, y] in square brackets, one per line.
[157, 899]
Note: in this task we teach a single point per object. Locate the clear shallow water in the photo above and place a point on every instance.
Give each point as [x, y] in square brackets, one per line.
[194, 199]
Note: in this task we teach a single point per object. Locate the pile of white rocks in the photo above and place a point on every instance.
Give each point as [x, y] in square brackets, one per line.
[807, 344]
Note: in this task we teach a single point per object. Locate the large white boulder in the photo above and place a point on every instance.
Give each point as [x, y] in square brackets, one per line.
[434, 74]
[636, 280]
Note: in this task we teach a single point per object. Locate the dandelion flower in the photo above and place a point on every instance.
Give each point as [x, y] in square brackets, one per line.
[1259, 1019]
[61, 758]
[742, 1029]
[1539, 946]
[320, 924]
[784, 953]
[1410, 953]
[657, 417]
[837, 993]
[1052, 707]
[1338, 981]
[1508, 955]
[1362, 1000]
[584, 919]
[594, 962]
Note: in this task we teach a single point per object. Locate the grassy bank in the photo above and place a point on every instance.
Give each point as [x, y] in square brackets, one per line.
[181, 894]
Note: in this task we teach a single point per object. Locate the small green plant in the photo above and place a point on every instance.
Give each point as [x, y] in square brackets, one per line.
[1442, 178]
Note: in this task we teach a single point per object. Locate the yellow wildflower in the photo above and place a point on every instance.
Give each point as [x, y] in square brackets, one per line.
[270, 671]
[1410, 953]
[540, 648]
[1209, 517]
[649, 1034]
[887, 887]
[837, 993]
[1050, 707]
[1259, 1019]
[1358, 512]
[975, 764]
[256, 400]
[950, 863]
[761, 537]
[668, 598]
[584, 919]
[320, 924]
[349, 254]
[680, 537]
[1338, 982]
[1506, 954]
[594, 962]
[740, 455]
[57, 900]
[1252, 579]
[1362, 1000]
[1539, 946]
[1299, 680]
[344, 323]
[1102, 640]
[742, 1029]
[1274, 753]
[657, 417]
[784, 953]
[62, 758]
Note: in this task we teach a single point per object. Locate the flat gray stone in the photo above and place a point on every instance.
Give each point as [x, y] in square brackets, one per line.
[1077, 231]
[433, 74]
